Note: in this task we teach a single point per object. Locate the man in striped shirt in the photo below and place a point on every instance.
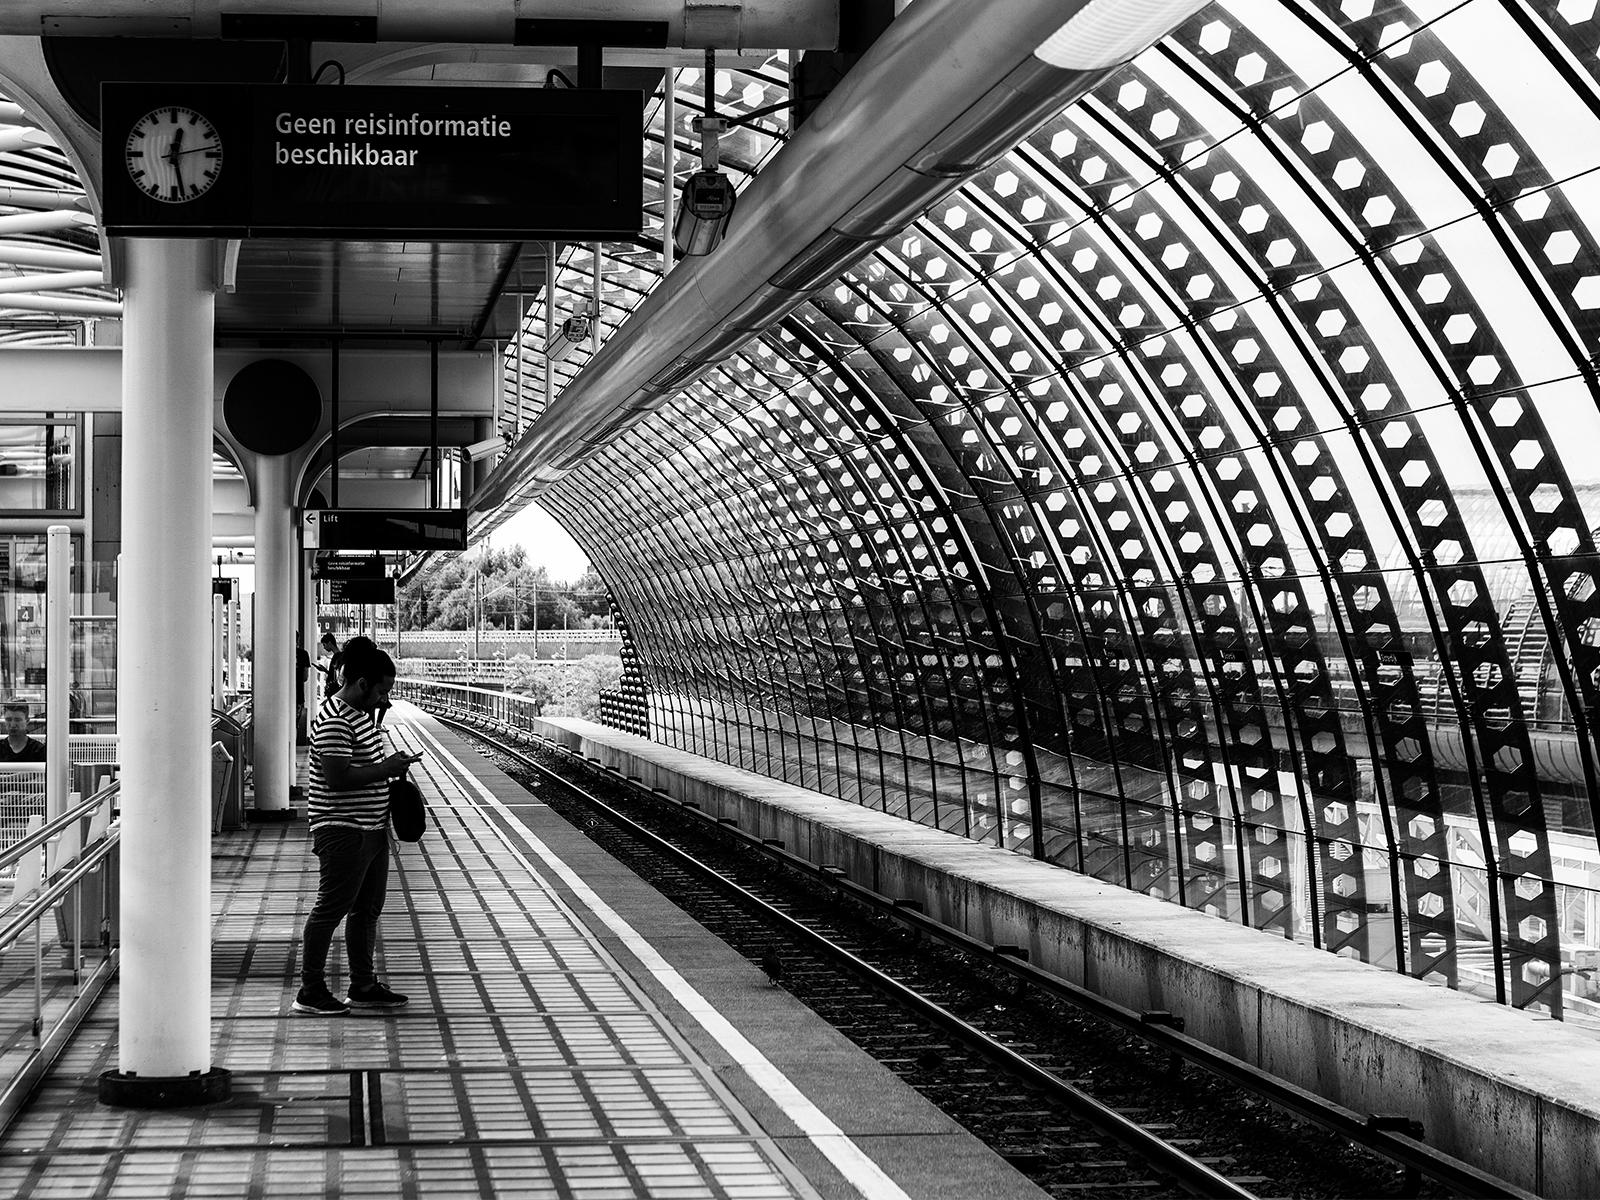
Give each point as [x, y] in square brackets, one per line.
[348, 811]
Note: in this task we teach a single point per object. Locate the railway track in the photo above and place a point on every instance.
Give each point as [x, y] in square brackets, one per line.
[1086, 1103]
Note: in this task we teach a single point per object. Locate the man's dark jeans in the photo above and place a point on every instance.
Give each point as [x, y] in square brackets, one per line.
[353, 879]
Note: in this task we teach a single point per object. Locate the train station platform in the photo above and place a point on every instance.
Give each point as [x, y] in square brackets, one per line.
[568, 1035]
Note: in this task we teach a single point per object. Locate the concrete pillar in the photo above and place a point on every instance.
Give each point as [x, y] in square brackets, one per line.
[163, 679]
[231, 653]
[277, 565]
[310, 635]
[308, 594]
[58, 669]
[217, 649]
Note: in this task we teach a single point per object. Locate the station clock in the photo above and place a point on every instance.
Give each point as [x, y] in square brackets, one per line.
[174, 154]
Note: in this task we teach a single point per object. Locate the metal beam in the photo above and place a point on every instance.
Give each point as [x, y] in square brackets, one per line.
[728, 24]
[947, 89]
[375, 381]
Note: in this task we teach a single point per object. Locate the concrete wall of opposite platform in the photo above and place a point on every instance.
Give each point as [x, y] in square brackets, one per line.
[1516, 1096]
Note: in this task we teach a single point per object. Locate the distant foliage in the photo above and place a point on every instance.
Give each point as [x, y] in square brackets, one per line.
[564, 689]
[505, 591]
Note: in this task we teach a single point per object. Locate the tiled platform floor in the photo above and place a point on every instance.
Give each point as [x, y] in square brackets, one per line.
[527, 1063]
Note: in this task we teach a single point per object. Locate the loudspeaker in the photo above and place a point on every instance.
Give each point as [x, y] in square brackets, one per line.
[272, 406]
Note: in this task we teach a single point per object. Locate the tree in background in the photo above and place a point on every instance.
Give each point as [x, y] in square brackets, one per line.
[564, 689]
[507, 591]
[523, 678]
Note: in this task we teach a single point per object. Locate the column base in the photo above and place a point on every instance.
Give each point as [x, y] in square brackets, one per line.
[132, 1090]
[265, 816]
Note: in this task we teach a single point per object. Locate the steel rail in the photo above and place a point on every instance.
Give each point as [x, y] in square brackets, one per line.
[1385, 1134]
[1184, 1169]
[1394, 1137]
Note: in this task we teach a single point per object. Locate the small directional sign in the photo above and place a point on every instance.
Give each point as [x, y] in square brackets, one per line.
[358, 591]
[350, 566]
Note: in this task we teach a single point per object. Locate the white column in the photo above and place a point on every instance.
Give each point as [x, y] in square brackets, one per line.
[217, 617]
[58, 668]
[311, 636]
[163, 693]
[594, 325]
[308, 594]
[669, 167]
[549, 321]
[230, 654]
[273, 676]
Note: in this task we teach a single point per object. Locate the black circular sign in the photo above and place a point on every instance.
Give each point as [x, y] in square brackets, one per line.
[272, 406]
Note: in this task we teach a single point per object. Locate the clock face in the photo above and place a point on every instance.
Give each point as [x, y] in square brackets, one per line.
[174, 154]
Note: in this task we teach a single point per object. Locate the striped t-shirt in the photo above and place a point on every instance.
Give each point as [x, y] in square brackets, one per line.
[346, 732]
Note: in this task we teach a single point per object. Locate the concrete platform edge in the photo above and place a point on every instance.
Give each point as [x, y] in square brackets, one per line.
[1513, 1095]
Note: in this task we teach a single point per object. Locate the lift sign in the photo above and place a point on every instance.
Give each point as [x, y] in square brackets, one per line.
[385, 529]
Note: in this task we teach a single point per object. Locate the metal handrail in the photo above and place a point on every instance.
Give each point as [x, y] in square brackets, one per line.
[45, 832]
[68, 886]
[49, 897]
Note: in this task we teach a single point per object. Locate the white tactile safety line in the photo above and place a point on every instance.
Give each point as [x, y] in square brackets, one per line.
[862, 1173]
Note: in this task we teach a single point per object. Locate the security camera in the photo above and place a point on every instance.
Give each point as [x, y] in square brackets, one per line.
[703, 212]
[489, 445]
[569, 334]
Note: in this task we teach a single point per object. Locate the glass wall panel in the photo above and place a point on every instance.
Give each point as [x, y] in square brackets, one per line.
[1201, 498]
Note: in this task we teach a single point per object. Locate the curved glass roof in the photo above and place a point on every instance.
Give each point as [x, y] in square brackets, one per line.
[1202, 497]
[51, 288]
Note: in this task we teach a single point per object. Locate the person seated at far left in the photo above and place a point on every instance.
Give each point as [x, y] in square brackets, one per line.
[18, 746]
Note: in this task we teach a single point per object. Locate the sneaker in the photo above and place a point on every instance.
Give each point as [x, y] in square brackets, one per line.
[373, 995]
[320, 1002]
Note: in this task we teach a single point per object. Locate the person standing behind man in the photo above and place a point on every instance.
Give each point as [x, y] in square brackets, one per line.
[302, 672]
[18, 746]
[329, 646]
[348, 811]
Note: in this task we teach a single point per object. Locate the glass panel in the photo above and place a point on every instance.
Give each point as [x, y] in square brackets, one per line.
[38, 466]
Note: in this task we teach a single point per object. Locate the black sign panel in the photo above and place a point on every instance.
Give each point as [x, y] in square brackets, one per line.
[349, 567]
[358, 591]
[391, 529]
[222, 585]
[436, 163]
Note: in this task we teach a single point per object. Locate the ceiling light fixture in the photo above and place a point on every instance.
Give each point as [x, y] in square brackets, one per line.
[1106, 33]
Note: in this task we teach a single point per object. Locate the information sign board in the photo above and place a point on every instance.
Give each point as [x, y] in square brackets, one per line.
[435, 163]
[222, 585]
[349, 566]
[386, 529]
[358, 591]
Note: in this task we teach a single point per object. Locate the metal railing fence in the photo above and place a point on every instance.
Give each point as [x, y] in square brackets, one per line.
[66, 867]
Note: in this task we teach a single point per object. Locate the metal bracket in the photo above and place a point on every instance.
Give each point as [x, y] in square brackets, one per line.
[712, 26]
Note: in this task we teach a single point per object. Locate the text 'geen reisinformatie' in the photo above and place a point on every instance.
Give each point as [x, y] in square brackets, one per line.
[385, 125]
